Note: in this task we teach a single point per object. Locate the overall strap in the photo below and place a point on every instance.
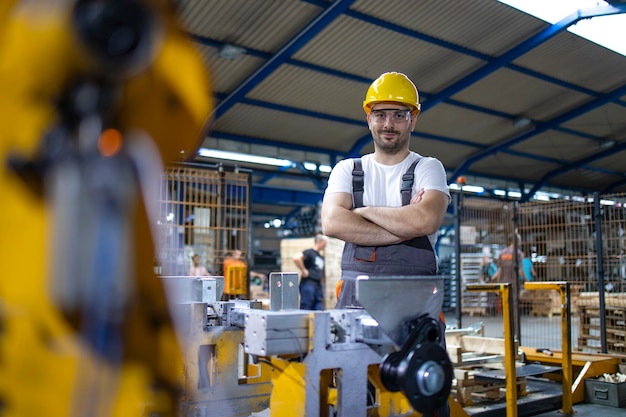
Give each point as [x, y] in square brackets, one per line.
[407, 183]
[357, 183]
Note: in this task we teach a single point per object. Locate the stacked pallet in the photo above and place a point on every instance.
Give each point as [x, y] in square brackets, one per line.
[332, 262]
[589, 337]
[548, 303]
[472, 354]
[473, 303]
[470, 389]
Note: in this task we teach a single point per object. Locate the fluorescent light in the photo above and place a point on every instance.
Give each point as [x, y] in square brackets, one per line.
[608, 31]
[473, 189]
[310, 166]
[242, 157]
[231, 52]
[469, 188]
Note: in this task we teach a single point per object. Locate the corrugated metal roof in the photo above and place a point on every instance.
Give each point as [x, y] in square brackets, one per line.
[480, 67]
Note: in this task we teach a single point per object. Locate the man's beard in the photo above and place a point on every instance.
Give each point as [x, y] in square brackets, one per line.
[390, 147]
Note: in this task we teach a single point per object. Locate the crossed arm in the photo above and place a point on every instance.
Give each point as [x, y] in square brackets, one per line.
[378, 226]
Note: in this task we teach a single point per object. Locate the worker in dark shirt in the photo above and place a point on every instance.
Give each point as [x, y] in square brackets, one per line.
[311, 265]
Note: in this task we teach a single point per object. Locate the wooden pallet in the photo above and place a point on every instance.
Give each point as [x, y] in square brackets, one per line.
[474, 311]
[589, 325]
[545, 311]
[469, 390]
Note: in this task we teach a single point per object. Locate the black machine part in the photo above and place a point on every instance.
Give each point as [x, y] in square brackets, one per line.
[421, 369]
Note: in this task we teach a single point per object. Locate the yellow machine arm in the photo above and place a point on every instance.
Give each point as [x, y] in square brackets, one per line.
[96, 95]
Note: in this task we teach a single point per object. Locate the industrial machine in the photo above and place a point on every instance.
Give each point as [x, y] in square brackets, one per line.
[92, 104]
[241, 358]
[219, 377]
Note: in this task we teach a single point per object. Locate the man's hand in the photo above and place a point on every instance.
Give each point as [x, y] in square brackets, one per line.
[339, 220]
[422, 217]
[417, 197]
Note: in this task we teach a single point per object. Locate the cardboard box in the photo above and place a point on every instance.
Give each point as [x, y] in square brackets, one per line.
[605, 393]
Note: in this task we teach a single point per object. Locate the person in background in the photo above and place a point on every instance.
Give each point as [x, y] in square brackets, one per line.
[233, 259]
[489, 270]
[260, 279]
[235, 271]
[310, 263]
[197, 269]
[508, 273]
[527, 266]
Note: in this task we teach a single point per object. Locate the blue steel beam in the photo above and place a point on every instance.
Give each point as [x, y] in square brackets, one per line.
[364, 140]
[577, 164]
[511, 55]
[284, 53]
[266, 142]
[539, 128]
[341, 74]
[501, 61]
[355, 150]
[260, 194]
[584, 14]
[321, 185]
[438, 138]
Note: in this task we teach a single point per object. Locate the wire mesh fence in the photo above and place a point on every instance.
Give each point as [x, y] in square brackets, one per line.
[202, 211]
[578, 242]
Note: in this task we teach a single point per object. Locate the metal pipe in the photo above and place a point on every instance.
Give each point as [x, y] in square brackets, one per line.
[566, 336]
[458, 200]
[510, 351]
[597, 214]
[516, 266]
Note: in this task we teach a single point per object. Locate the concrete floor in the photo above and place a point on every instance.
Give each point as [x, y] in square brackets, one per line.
[590, 410]
[580, 410]
[540, 332]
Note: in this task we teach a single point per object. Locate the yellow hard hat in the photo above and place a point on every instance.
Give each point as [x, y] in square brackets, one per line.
[392, 86]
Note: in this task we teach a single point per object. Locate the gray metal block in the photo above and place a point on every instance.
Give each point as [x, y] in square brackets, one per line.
[184, 290]
[270, 333]
[284, 291]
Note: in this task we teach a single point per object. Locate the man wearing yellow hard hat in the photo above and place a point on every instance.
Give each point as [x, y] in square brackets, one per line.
[387, 206]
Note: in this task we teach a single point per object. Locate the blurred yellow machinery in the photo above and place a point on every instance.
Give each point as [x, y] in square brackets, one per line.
[96, 94]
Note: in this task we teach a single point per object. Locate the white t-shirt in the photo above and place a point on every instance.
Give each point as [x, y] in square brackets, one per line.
[382, 183]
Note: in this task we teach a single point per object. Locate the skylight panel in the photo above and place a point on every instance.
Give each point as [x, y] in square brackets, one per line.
[607, 31]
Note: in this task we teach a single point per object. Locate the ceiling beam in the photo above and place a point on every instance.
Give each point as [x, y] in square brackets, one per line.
[577, 164]
[318, 24]
[261, 194]
[511, 55]
[539, 128]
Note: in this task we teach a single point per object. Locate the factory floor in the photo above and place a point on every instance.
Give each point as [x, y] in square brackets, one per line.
[533, 331]
[580, 410]
[589, 410]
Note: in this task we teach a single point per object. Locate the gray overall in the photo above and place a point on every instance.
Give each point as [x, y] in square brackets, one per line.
[408, 258]
[411, 257]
